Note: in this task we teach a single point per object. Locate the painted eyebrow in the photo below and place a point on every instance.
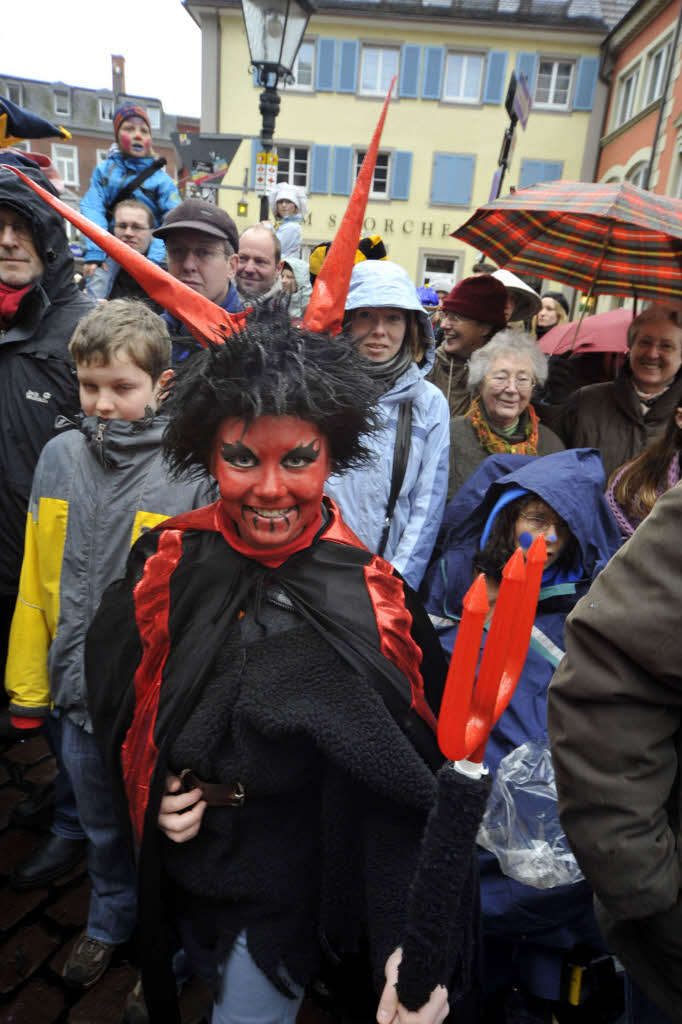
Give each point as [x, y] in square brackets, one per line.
[231, 450]
[307, 451]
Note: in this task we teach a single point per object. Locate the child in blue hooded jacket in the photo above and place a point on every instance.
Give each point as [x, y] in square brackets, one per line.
[528, 931]
[131, 155]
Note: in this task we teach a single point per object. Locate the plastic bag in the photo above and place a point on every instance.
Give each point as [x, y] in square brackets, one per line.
[521, 822]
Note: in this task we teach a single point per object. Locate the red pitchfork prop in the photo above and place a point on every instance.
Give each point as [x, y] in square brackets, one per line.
[439, 903]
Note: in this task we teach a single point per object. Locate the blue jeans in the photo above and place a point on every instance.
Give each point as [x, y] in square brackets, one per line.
[113, 900]
[247, 997]
[66, 821]
[639, 1009]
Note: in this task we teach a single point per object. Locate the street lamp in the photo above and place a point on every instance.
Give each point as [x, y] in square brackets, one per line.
[274, 30]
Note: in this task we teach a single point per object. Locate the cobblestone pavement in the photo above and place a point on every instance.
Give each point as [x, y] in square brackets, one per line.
[39, 927]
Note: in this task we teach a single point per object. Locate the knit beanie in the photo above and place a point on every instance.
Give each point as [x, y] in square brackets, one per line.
[480, 298]
[126, 111]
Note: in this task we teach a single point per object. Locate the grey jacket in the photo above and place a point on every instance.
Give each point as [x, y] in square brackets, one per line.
[95, 490]
[615, 723]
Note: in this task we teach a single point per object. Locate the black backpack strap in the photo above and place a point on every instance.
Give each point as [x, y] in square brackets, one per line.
[128, 190]
[401, 454]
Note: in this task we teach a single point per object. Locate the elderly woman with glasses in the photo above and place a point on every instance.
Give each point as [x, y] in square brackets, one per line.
[500, 419]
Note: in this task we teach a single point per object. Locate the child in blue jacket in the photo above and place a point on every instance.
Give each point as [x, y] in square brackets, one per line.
[129, 157]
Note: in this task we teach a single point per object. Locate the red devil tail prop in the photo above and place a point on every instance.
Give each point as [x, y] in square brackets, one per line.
[326, 306]
[203, 318]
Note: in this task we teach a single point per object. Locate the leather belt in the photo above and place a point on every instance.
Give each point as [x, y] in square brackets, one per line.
[215, 794]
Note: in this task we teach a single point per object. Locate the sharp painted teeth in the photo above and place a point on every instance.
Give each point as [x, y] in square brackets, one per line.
[273, 513]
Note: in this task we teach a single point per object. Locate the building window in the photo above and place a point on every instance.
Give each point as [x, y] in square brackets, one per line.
[293, 165]
[553, 86]
[626, 97]
[438, 265]
[381, 179]
[463, 77]
[106, 110]
[154, 115]
[102, 154]
[637, 174]
[379, 65]
[13, 92]
[65, 159]
[304, 67]
[657, 65]
[62, 102]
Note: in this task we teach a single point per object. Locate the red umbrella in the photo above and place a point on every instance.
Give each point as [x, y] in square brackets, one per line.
[603, 332]
[607, 239]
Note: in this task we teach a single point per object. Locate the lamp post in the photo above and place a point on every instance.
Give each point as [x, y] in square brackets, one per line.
[274, 30]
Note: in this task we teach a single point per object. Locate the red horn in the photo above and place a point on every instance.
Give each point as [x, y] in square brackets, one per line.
[206, 320]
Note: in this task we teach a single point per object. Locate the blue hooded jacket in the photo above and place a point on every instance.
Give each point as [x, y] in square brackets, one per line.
[362, 494]
[545, 922]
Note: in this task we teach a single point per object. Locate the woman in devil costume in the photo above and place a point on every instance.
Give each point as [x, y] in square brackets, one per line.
[257, 653]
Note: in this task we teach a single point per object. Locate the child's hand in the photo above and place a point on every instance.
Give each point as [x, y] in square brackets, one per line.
[180, 813]
[89, 269]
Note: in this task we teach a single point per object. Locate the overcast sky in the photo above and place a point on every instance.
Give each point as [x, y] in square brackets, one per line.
[72, 41]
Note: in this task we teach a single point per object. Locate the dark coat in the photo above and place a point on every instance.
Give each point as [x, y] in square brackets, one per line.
[37, 375]
[615, 722]
[370, 723]
[609, 417]
[451, 375]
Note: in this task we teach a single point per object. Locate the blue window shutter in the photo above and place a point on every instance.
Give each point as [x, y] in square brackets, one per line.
[452, 179]
[271, 78]
[495, 73]
[255, 148]
[348, 65]
[325, 71]
[526, 64]
[342, 170]
[585, 83]
[409, 71]
[433, 72]
[319, 169]
[535, 171]
[400, 176]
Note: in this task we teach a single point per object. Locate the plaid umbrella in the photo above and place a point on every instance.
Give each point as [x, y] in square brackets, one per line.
[608, 239]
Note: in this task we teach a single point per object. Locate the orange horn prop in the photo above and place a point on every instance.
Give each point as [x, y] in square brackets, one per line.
[326, 306]
[203, 318]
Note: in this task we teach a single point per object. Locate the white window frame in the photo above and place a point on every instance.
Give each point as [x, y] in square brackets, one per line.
[14, 92]
[425, 274]
[382, 173]
[380, 87]
[466, 58]
[65, 159]
[154, 115]
[103, 105]
[297, 85]
[551, 103]
[102, 154]
[657, 63]
[626, 96]
[636, 173]
[293, 174]
[62, 94]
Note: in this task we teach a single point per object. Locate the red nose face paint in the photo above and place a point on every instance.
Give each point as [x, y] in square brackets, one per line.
[270, 476]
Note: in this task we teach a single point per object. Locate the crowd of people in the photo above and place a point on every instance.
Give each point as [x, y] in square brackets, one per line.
[217, 570]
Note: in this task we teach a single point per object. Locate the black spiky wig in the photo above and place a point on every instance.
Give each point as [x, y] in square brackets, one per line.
[271, 368]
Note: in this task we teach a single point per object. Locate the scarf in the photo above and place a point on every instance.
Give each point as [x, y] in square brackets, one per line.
[627, 520]
[494, 442]
[9, 303]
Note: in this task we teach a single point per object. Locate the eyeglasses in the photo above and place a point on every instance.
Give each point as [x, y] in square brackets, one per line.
[541, 524]
[19, 227]
[201, 253]
[124, 226]
[447, 313]
[522, 381]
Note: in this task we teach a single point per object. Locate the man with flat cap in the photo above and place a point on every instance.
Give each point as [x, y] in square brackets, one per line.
[201, 244]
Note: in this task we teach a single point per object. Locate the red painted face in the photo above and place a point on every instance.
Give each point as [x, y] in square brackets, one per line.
[270, 476]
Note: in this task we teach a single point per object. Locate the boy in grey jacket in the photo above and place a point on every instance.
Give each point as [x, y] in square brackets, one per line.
[94, 491]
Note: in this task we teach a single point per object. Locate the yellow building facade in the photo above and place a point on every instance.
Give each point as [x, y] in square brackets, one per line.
[445, 126]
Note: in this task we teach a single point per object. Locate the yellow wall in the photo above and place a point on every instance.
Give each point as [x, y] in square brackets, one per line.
[421, 126]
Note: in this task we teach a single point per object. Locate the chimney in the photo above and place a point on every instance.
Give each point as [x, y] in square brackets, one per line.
[118, 75]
